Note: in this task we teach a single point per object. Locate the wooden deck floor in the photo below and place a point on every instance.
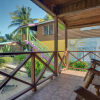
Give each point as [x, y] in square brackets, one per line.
[61, 88]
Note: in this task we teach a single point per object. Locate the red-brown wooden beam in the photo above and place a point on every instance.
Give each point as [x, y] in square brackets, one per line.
[66, 47]
[56, 45]
[33, 70]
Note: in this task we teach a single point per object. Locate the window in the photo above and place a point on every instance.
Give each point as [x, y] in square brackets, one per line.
[48, 29]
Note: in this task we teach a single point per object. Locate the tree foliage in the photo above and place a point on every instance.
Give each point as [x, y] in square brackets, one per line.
[46, 18]
[21, 16]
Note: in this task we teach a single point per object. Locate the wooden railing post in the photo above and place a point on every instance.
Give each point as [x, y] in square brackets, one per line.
[56, 45]
[56, 63]
[33, 70]
[66, 59]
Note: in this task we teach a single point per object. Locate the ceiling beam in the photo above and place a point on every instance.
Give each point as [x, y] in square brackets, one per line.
[62, 9]
[84, 25]
[44, 7]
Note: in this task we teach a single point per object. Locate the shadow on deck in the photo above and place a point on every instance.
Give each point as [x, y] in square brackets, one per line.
[61, 88]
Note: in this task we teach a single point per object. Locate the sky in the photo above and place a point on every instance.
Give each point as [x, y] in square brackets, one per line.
[7, 6]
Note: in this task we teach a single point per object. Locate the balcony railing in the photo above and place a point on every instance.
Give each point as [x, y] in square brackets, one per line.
[84, 58]
[50, 65]
[66, 59]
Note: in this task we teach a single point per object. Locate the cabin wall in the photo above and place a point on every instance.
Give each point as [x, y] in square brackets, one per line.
[40, 33]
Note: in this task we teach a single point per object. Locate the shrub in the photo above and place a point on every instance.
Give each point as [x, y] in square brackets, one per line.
[38, 64]
[78, 64]
[38, 67]
[8, 48]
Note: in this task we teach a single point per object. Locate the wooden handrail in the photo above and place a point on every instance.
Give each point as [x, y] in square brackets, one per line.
[94, 71]
[19, 53]
[95, 61]
[84, 93]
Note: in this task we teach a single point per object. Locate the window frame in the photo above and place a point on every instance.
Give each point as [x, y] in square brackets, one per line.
[48, 29]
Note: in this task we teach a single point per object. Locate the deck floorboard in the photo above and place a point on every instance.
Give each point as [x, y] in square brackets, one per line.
[61, 88]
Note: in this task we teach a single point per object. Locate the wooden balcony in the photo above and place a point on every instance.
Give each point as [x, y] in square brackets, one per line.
[59, 85]
[61, 88]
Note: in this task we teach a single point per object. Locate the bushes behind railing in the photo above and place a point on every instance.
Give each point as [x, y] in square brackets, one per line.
[79, 65]
[38, 65]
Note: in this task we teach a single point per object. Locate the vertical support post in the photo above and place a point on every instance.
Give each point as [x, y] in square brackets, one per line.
[56, 45]
[33, 70]
[66, 48]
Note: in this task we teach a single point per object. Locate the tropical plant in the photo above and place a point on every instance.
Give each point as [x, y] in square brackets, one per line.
[8, 48]
[20, 17]
[2, 39]
[46, 18]
[8, 37]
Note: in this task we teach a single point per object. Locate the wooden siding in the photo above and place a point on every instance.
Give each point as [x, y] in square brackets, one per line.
[40, 35]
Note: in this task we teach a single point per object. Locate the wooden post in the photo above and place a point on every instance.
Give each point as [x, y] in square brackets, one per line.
[56, 45]
[66, 48]
[33, 70]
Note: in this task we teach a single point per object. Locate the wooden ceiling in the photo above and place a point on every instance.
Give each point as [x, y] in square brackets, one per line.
[73, 13]
[77, 33]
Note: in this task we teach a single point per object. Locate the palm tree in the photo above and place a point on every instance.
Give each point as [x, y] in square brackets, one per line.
[21, 17]
[46, 18]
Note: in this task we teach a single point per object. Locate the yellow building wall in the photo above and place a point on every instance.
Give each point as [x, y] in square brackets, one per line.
[50, 44]
[61, 45]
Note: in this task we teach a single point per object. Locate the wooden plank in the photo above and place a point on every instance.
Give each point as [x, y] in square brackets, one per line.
[33, 70]
[45, 79]
[56, 45]
[45, 64]
[88, 80]
[87, 95]
[5, 81]
[81, 58]
[96, 72]
[61, 63]
[20, 53]
[62, 9]
[77, 59]
[66, 48]
[96, 55]
[15, 78]
[89, 24]
[13, 69]
[61, 59]
[43, 70]
[20, 93]
[66, 39]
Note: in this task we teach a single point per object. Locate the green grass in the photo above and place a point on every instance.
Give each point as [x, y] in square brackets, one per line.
[5, 60]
